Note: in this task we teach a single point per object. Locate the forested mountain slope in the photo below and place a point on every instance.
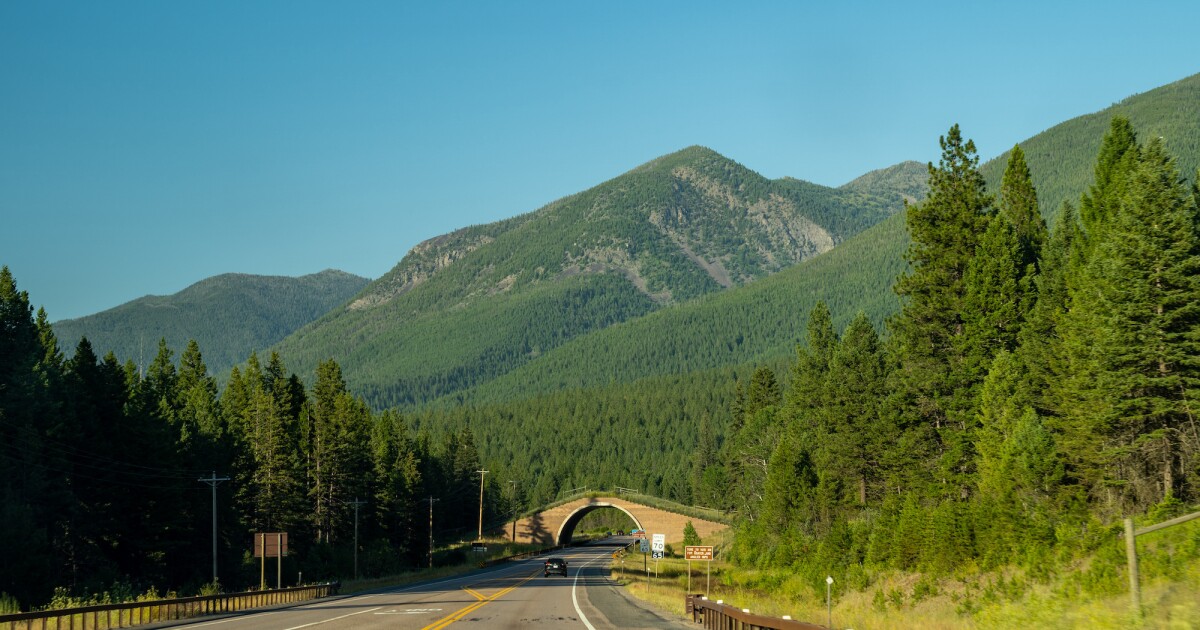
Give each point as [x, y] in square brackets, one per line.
[469, 306]
[758, 322]
[767, 318]
[1061, 158]
[906, 179]
[230, 315]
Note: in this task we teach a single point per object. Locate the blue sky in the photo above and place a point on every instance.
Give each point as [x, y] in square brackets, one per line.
[147, 145]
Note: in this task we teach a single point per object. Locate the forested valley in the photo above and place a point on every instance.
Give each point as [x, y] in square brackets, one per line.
[1033, 388]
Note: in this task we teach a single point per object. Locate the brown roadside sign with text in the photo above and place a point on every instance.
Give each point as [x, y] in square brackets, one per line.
[697, 552]
[273, 542]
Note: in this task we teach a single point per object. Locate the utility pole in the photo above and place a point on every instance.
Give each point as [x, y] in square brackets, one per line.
[481, 474]
[356, 503]
[514, 492]
[431, 502]
[213, 481]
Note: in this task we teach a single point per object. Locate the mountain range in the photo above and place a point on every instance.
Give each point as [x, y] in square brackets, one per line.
[468, 307]
[229, 315]
[687, 263]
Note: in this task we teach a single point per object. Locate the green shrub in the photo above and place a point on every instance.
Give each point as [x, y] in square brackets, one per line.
[9, 604]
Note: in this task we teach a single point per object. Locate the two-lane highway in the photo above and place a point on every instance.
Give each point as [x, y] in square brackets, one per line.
[513, 595]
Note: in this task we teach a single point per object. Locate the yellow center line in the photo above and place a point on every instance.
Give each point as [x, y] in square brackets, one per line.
[446, 621]
[475, 593]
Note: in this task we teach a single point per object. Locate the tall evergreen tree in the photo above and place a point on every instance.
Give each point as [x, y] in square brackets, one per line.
[945, 230]
[863, 441]
[1130, 335]
[1118, 152]
[398, 485]
[704, 457]
[339, 466]
[749, 450]
[1040, 348]
[1019, 204]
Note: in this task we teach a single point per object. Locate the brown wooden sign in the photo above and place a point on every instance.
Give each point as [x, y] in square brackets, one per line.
[271, 543]
[696, 552]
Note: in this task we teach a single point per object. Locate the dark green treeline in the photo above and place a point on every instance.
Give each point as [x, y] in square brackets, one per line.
[1034, 388]
[100, 465]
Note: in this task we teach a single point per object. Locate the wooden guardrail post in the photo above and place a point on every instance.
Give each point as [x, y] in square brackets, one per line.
[1135, 591]
[1131, 534]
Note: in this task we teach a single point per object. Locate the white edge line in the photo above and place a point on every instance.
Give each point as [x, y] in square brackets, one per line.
[317, 623]
[575, 597]
[229, 619]
[319, 605]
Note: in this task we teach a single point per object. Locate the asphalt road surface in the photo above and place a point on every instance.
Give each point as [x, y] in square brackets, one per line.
[513, 595]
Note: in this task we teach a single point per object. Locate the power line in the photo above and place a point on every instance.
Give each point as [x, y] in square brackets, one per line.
[356, 503]
[431, 502]
[481, 474]
[49, 443]
[115, 481]
[214, 481]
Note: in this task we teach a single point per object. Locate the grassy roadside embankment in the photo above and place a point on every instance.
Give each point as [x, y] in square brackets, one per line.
[1089, 593]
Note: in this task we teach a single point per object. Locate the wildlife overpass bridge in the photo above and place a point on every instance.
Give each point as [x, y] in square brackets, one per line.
[555, 525]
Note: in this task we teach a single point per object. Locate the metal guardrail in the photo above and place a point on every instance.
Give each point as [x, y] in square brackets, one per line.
[105, 616]
[716, 616]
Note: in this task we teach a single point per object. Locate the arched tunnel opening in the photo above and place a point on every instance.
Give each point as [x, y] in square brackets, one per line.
[596, 519]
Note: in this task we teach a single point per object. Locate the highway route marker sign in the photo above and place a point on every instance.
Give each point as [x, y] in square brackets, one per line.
[643, 545]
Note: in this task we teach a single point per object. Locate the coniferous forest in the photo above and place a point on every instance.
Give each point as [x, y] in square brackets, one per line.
[1034, 387]
[101, 465]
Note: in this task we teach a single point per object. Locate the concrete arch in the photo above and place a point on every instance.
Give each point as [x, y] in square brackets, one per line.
[554, 525]
[567, 529]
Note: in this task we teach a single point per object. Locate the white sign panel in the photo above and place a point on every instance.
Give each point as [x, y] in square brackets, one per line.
[659, 542]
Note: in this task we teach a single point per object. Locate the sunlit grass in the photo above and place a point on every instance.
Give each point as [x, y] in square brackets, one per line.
[974, 599]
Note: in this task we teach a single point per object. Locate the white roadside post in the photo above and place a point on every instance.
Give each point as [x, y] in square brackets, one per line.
[829, 599]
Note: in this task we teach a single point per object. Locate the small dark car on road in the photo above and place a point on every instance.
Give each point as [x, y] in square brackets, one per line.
[555, 565]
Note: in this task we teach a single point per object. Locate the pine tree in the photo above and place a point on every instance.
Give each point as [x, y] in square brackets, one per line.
[1040, 349]
[338, 434]
[763, 391]
[858, 380]
[690, 537]
[1001, 281]
[788, 501]
[945, 230]
[397, 484]
[1019, 205]
[20, 389]
[200, 408]
[270, 487]
[994, 306]
[1130, 334]
[1118, 152]
[808, 394]
[704, 457]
